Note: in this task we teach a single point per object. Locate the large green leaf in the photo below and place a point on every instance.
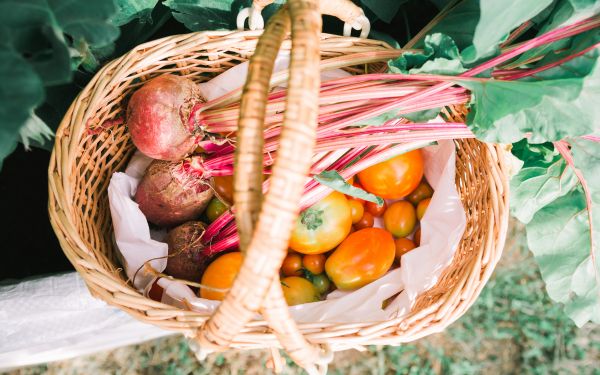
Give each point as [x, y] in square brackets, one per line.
[563, 103]
[201, 15]
[440, 55]
[128, 10]
[384, 9]
[559, 237]
[543, 178]
[496, 20]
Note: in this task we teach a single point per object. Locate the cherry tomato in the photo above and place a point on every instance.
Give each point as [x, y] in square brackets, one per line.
[422, 207]
[215, 209]
[292, 265]
[417, 237]
[314, 263]
[357, 210]
[374, 209]
[421, 192]
[223, 186]
[394, 178]
[400, 218]
[366, 221]
[156, 291]
[322, 226]
[363, 257]
[321, 283]
[403, 246]
[297, 290]
[220, 274]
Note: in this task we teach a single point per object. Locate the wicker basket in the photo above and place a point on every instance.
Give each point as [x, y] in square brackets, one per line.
[83, 161]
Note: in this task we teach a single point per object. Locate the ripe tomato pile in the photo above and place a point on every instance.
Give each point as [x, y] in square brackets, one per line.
[341, 242]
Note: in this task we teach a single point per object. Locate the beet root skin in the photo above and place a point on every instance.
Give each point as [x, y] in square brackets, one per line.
[186, 251]
[169, 195]
[157, 116]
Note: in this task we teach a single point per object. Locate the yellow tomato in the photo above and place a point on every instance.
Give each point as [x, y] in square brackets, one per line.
[298, 290]
[220, 274]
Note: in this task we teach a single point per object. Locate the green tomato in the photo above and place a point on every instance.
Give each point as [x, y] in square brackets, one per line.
[215, 209]
[321, 283]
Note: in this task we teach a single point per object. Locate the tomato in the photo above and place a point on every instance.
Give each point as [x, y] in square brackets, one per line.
[322, 226]
[374, 209]
[314, 263]
[292, 265]
[297, 290]
[394, 178]
[417, 237]
[366, 221]
[422, 207]
[220, 274]
[357, 210]
[321, 283]
[215, 209]
[421, 192]
[403, 246]
[363, 257]
[223, 186]
[400, 218]
[156, 291]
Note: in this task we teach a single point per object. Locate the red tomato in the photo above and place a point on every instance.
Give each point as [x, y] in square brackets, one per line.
[156, 291]
[220, 274]
[417, 237]
[297, 290]
[357, 210]
[403, 246]
[422, 207]
[363, 257]
[314, 263]
[322, 226]
[400, 218]
[421, 192]
[292, 265]
[223, 186]
[394, 178]
[374, 209]
[366, 221]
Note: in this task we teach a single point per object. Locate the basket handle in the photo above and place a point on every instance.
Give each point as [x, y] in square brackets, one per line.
[352, 15]
[265, 244]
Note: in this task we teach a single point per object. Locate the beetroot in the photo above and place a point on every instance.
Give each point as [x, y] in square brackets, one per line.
[186, 258]
[170, 193]
[157, 117]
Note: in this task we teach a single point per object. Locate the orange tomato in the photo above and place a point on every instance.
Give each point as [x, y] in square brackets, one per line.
[403, 246]
[417, 237]
[322, 226]
[366, 221]
[297, 290]
[314, 263]
[363, 257]
[394, 178]
[422, 207]
[400, 218]
[421, 192]
[292, 265]
[220, 274]
[374, 209]
[357, 210]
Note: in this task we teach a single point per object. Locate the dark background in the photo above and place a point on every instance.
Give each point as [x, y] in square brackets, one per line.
[29, 245]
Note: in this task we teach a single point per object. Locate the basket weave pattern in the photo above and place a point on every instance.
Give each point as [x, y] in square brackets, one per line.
[86, 154]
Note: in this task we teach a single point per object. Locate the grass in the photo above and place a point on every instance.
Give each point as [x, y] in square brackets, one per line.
[513, 328]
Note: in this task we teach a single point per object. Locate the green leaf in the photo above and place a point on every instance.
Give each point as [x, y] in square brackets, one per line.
[384, 9]
[422, 116]
[505, 111]
[333, 180]
[201, 15]
[559, 237]
[20, 92]
[35, 131]
[543, 178]
[128, 10]
[440, 56]
[565, 12]
[496, 20]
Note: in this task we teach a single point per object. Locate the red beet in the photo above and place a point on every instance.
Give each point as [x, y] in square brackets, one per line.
[186, 258]
[171, 193]
[157, 117]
